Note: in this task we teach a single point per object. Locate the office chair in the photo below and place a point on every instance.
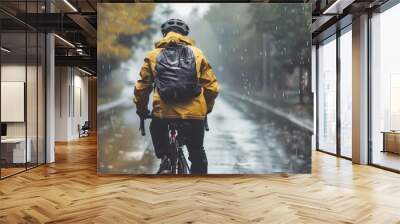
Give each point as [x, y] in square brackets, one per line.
[84, 130]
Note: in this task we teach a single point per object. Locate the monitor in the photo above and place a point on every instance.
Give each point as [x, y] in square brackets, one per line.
[3, 129]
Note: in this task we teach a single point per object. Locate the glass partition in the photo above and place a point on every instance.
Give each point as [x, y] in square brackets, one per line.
[14, 153]
[346, 93]
[41, 109]
[31, 99]
[385, 89]
[327, 95]
[22, 88]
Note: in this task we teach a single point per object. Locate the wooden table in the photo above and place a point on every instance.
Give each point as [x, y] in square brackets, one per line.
[391, 141]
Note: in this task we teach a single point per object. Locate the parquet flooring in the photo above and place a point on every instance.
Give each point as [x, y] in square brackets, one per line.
[70, 191]
[8, 171]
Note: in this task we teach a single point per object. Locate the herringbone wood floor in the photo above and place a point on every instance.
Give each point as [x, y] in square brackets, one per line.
[70, 191]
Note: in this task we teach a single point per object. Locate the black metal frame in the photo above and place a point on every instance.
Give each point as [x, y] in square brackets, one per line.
[338, 98]
[316, 97]
[369, 98]
[44, 79]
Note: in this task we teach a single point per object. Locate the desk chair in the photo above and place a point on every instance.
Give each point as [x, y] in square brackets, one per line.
[84, 130]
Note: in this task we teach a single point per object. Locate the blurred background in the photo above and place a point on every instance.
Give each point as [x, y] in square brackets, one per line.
[261, 54]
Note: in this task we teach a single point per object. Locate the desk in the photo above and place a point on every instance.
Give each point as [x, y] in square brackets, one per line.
[13, 150]
[391, 141]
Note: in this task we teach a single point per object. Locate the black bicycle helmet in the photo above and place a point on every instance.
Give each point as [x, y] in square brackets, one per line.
[176, 25]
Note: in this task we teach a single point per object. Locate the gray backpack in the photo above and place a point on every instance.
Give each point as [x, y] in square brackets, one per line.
[176, 75]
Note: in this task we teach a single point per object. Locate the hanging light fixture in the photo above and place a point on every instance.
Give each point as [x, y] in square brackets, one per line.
[84, 71]
[64, 40]
[5, 50]
[70, 5]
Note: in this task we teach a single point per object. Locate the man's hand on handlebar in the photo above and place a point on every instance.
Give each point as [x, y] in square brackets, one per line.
[143, 114]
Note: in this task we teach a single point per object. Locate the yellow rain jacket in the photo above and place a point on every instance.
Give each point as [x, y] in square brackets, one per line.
[198, 107]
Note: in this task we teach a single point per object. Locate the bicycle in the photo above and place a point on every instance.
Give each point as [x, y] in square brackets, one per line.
[177, 142]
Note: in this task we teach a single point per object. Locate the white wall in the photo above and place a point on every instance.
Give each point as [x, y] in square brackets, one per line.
[81, 84]
[12, 101]
[62, 81]
[71, 94]
[12, 73]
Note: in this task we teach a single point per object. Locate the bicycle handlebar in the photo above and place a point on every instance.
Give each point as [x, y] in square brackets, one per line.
[141, 128]
[206, 124]
[143, 131]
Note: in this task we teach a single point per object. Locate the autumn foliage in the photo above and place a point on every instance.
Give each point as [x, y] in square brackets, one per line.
[120, 20]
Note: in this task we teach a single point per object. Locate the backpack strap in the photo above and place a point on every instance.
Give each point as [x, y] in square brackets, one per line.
[152, 75]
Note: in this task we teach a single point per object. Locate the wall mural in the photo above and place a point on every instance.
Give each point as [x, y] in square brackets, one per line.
[218, 88]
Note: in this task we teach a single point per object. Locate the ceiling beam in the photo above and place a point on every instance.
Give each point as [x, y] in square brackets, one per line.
[78, 61]
[84, 24]
[91, 5]
[338, 6]
[49, 22]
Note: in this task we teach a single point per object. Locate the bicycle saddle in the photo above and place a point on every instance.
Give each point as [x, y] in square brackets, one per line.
[177, 124]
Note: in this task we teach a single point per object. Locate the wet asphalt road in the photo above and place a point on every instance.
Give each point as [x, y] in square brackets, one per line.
[242, 140]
